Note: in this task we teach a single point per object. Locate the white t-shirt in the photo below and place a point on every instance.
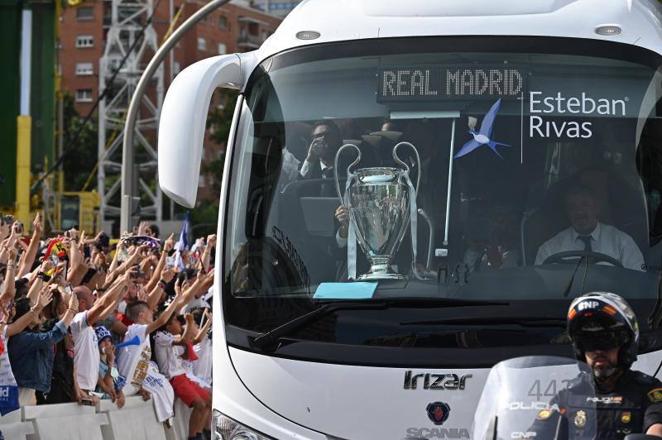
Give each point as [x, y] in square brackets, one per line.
[8, 388]
[167, 355]
[86, 352]
[133, 360]
[162, 393]
[202, 367]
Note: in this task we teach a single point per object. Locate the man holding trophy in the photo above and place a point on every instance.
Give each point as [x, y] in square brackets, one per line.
[377, 206]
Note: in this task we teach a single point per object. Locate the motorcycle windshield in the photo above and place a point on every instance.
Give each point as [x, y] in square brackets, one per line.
[541, 397]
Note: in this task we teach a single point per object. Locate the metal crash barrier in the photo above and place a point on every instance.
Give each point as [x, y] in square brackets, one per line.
[135, 421]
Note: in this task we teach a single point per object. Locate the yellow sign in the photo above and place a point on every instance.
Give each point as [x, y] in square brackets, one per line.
[544, 414]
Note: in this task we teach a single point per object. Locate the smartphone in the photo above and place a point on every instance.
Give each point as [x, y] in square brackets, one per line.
[137, 274]
[123, 255]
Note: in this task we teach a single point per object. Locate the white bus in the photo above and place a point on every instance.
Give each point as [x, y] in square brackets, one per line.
[515, 107]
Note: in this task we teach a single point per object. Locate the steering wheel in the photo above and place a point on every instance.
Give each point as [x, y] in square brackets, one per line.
[593, 257]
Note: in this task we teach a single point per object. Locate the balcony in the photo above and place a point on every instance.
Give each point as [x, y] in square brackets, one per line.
[247, 40]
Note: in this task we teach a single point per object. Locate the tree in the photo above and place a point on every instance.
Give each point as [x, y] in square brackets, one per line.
[219, 119]
[80, 146]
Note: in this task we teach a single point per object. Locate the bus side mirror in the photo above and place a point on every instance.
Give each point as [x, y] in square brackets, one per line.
[182, 124]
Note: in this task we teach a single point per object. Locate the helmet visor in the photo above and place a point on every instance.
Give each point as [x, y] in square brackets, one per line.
[602, 340]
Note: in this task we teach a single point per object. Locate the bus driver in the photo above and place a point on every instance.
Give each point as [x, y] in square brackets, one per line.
[587, 233]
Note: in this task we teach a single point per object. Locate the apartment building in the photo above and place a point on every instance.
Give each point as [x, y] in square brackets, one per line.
[236, 27]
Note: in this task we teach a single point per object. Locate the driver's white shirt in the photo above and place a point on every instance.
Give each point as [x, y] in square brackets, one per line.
[605, 239]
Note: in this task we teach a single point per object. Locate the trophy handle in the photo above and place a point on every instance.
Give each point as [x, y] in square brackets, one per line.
[349, 173]
[418, 161]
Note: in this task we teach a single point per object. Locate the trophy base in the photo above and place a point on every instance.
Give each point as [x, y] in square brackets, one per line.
[380, 276]
[380, 272]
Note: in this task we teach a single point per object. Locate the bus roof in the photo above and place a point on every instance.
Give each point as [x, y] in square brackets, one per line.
[345, 20]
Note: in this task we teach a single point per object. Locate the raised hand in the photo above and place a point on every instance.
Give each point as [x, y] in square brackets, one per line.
[207, 280]
[16, 229]
[142, 294]
[37, 224]
[142, 227]
[73, 234]
[179, 288]
[44, 298]
[169, 243]
[46, 266]
[73, 303]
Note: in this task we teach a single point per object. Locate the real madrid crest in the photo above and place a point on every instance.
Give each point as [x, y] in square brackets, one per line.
[580, 419]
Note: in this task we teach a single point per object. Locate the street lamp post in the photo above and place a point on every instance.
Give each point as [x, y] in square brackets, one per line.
[128, 188]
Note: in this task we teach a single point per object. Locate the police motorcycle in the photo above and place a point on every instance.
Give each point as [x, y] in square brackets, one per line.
[543, 398]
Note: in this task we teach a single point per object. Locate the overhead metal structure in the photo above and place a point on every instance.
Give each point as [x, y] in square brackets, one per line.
[128, 23]
[152, 70]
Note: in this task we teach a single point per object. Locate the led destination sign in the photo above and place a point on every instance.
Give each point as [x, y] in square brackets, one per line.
[439, 82]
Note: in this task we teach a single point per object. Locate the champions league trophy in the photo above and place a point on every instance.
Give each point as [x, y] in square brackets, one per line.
[381, 203]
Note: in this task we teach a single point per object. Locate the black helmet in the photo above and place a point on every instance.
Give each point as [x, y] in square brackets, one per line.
[603, 320]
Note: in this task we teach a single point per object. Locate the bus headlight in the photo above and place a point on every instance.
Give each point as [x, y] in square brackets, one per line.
[227, 429]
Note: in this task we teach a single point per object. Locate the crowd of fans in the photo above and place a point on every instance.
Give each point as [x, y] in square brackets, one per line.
[84, 319]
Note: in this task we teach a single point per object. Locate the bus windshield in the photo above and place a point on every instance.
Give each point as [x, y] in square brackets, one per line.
[524, 173]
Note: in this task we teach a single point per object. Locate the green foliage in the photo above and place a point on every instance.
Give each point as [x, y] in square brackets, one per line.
[214, 169]
[80, 148]
[219, 119]
[204, 219]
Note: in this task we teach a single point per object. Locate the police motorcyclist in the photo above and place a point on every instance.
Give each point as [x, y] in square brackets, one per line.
[605, 334]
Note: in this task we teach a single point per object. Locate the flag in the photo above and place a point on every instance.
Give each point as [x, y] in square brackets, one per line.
[183, 242]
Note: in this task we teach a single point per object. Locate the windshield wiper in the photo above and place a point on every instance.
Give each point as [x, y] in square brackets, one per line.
[526, 321]
[267, 340]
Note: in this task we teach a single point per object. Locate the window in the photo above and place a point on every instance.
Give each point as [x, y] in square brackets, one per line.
[84, 13]
[83, 69]
[594, 141]
[84, 41]
[223, 23]
[84, 95]
[222, 49]
[254, 29]
[202, 44]
[176, 68]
